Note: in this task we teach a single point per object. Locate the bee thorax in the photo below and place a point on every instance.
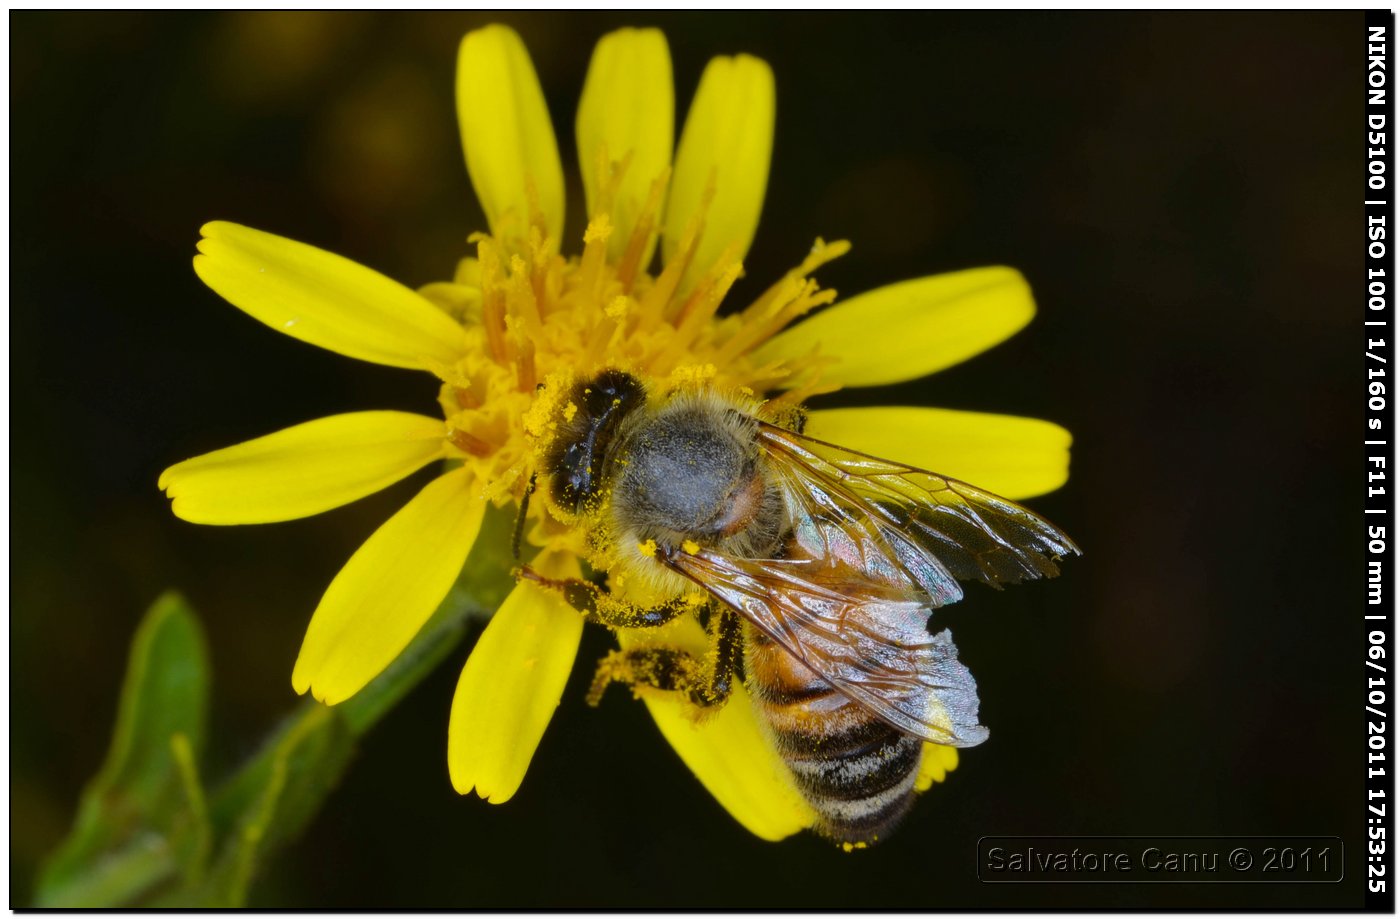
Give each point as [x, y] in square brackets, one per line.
[679, 471]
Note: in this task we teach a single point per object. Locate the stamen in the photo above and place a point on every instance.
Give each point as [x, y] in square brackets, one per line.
[537, 219]
[465, 398]
[693, 233]
[470, 443]
[602, 170]
[591, 274]
[548, 283]
[811, 297]
[525, 367]
[657, 302]
[772, 375]
[643, 231]
[654, 302]
[613, 315]
[795, 397]
[600, 226]
[493, 310]
[541, 259]
[522, 299]
[821, 253]
[701, 306]
[791, 297]
[609, 179]
[493, 301]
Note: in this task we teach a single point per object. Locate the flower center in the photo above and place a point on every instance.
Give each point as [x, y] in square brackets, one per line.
[536, 321]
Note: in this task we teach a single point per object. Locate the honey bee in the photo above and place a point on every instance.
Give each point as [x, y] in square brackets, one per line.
[822, 567]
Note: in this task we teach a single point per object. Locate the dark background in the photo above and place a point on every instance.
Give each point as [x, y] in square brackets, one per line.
[1183, 192]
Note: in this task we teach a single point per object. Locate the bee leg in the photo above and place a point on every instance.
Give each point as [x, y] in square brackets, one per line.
[706, 682]
[726, 657]
[650, 667]
[520, 518]
[598, 606]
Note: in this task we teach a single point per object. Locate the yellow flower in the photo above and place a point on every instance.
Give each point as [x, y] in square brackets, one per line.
[518, 321]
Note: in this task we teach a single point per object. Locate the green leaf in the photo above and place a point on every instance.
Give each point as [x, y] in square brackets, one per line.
[147, 833]
[129, 806]
[110, 878]
[269, 801]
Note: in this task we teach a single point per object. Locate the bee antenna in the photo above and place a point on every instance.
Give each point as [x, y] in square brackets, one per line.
[520, 519]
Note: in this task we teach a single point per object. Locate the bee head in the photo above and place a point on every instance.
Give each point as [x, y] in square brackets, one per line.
[575, 458]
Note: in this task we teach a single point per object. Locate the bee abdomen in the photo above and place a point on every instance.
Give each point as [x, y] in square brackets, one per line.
[860, 782]
[856, 771]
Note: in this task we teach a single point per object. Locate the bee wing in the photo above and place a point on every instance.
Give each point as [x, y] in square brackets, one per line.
[931, 523]
[875, 547]
[859, 633]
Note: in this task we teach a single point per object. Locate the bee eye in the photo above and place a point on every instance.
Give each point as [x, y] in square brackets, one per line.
[584, 438]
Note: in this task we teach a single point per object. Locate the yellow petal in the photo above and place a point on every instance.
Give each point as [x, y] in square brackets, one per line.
[324, 299]
[509, 143]
[907, 330]
[628, 107]
[389, 588]
[303, 470]
[1007, 455]
[937, 763]
[511, 686]
[728, 750]
[728, 138]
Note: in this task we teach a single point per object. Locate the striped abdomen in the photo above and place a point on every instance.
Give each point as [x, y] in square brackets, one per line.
[857, 772]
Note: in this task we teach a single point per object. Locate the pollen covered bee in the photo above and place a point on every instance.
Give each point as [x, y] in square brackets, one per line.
[822, 567]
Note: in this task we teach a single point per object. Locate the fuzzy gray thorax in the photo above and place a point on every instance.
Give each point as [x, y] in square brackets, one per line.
[691, 469]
